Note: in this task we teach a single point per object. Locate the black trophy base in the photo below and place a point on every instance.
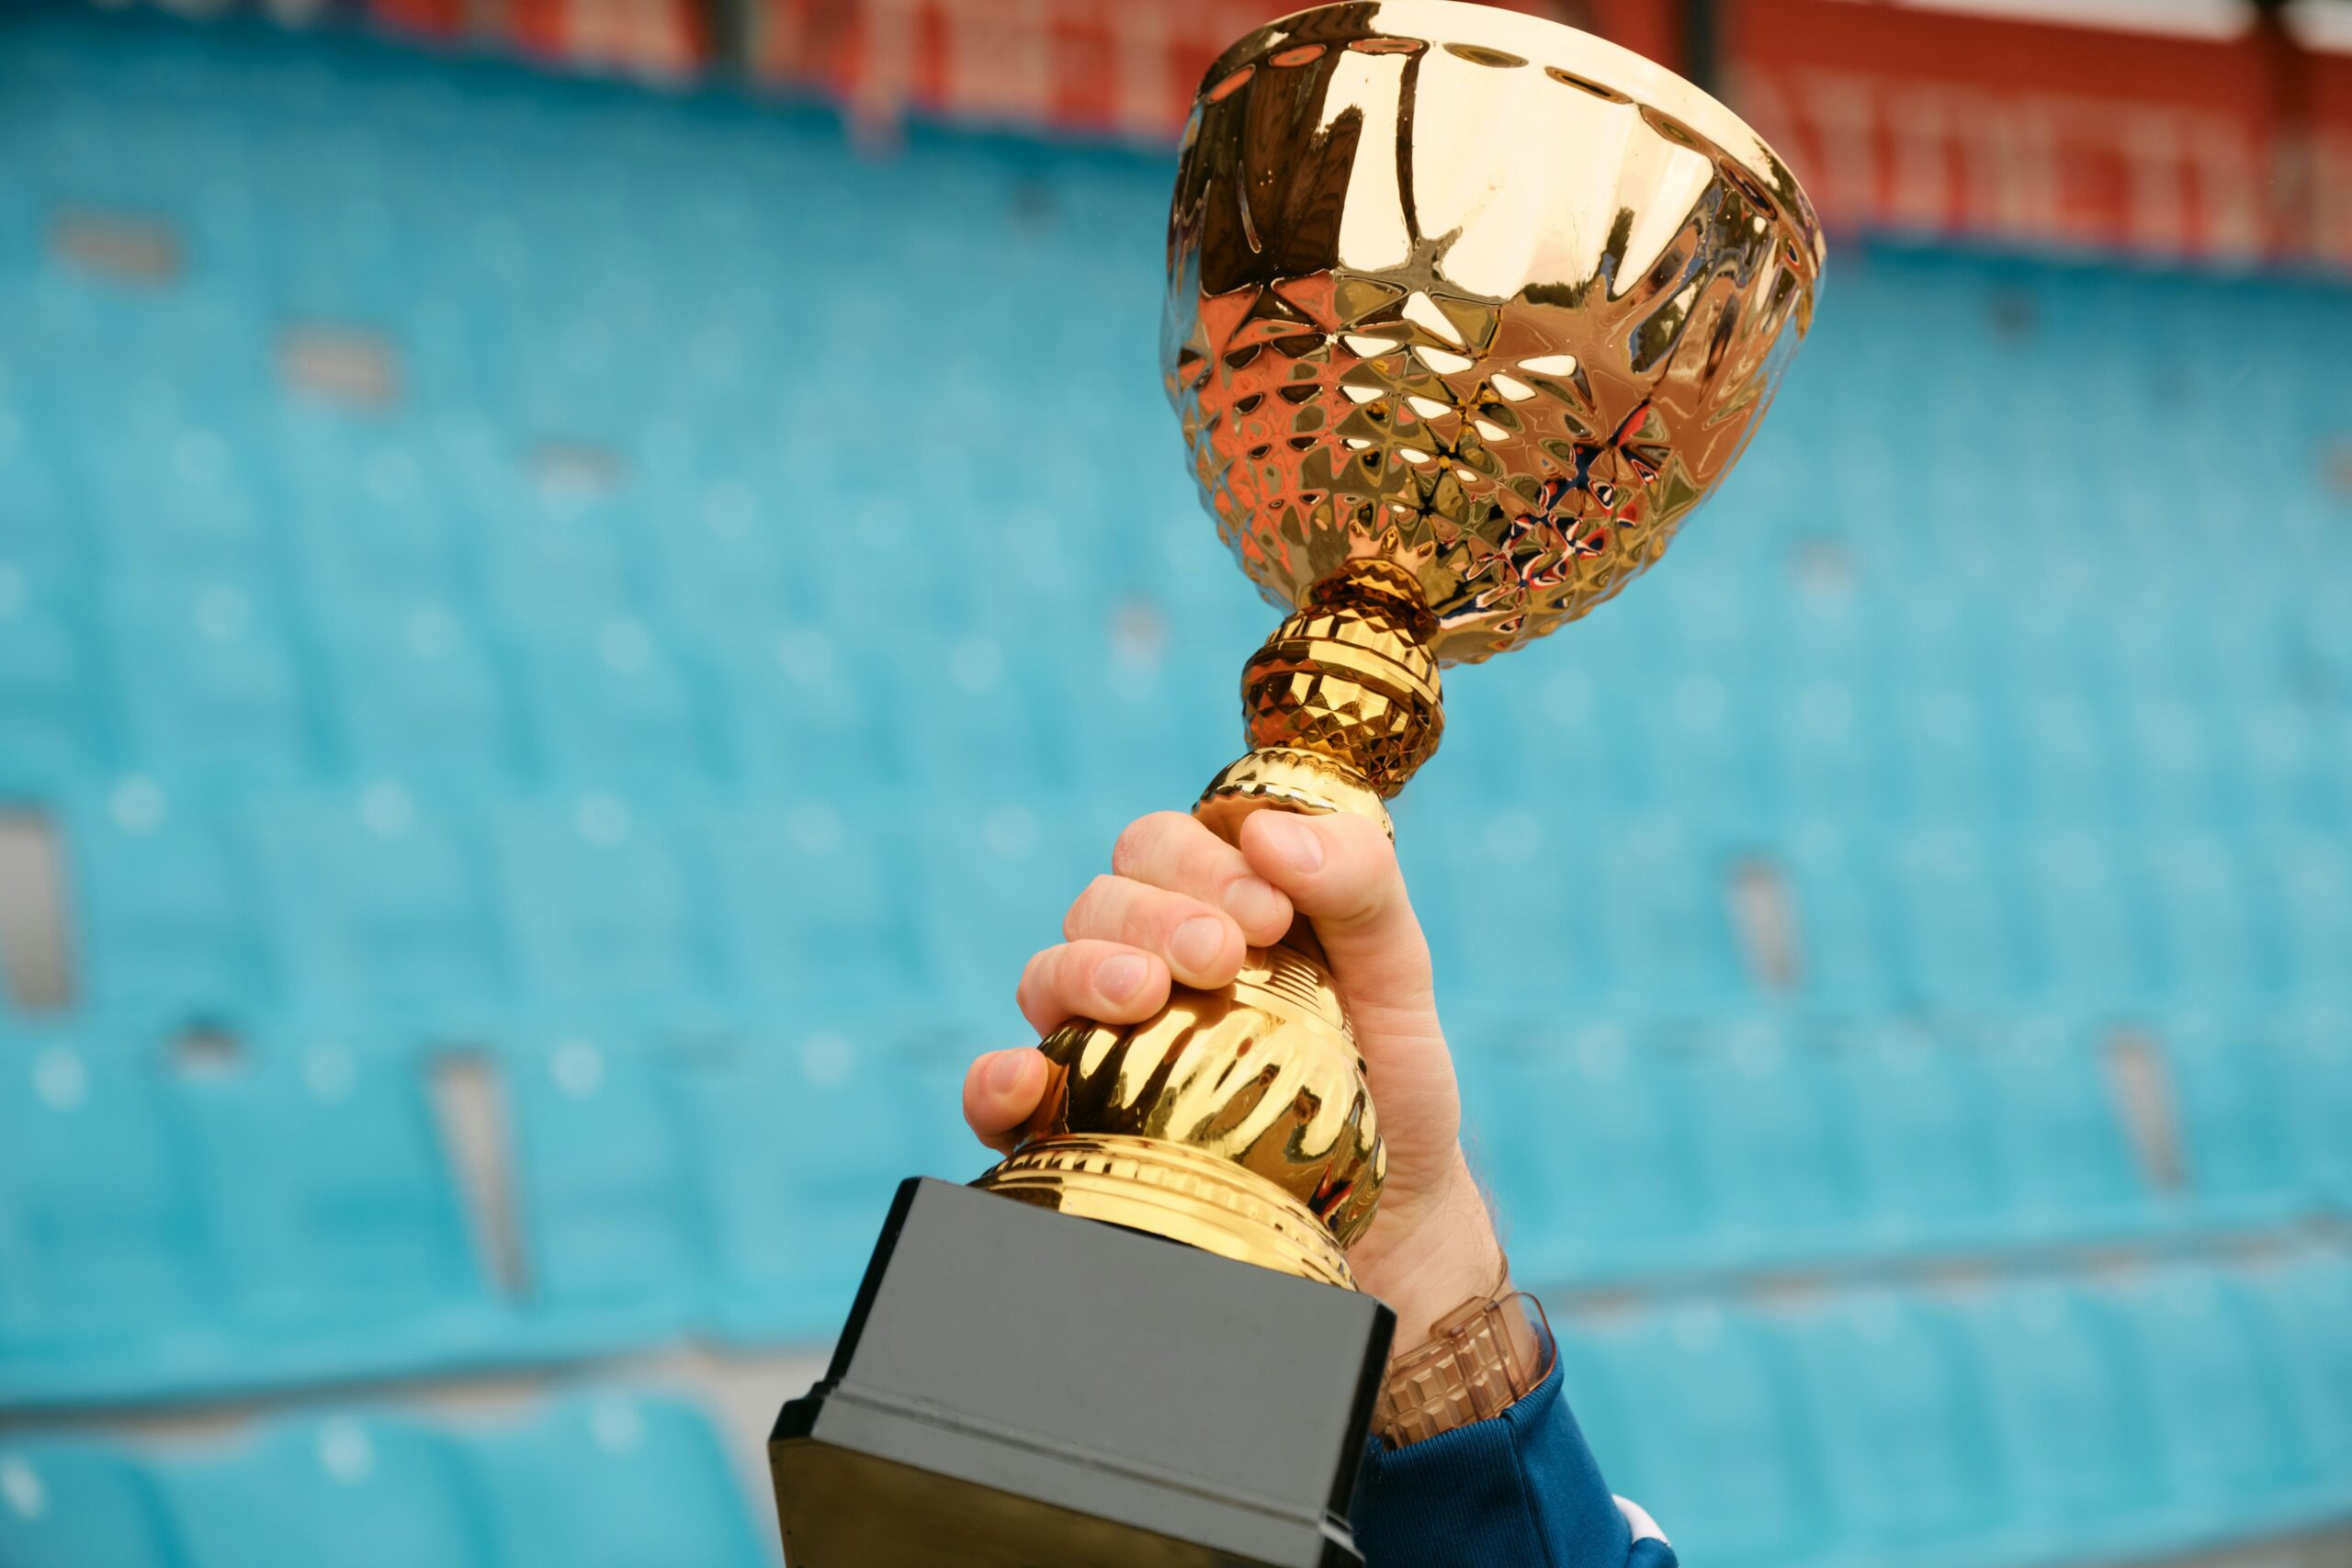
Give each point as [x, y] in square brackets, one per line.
[1020, 1388]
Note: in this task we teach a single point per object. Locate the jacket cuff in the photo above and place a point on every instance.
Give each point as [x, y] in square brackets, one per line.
[1521, 1487]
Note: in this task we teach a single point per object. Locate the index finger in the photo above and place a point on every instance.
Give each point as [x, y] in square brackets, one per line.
[1172, 850]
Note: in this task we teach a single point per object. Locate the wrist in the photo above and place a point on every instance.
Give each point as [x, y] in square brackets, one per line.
[1429, 1257]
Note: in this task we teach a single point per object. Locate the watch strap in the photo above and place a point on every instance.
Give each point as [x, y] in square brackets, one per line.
[1473, 1367]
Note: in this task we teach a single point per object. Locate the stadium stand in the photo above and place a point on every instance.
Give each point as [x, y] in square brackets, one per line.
[606, 1480]
[636, 596]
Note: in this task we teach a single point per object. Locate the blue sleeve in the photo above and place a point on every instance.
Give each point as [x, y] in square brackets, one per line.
[1519, 1489]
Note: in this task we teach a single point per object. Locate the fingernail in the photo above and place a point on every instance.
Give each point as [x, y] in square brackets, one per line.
[1251, 902]
[1197, 943]
[1006, 1072]
[1116, 977]
[1296, 842]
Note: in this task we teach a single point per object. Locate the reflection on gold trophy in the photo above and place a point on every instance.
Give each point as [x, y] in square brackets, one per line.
[1467, 311]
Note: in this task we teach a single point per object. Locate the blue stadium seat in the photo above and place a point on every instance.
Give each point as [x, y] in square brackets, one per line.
[554, 554]
[111, 1283]
[2229, 1089]
[416, 689]
[2219, 946]
[206, 677]
[612, 701]
[341, 1243]
[793, 1140]
[730, 559]
[1956, 910]
[1580, 1130]
[2062, 1134]
[34, 491]
[1825, 744]
[2308, 876]
[797, 711]
[2303, 1304]
[616, 1480]
[1952, 741]
[853, 956]
[2074, 763]
[1847, 949]
[2085, 921]
[51, 702]
[68, 1503]
[2293, 756]
[1769, 1134]
[987, 713]
[184, 501]
[2072, 1417]
[997, 877]
[1669, 935]
[616, 1249]
[369, 516]
[605, 909]
[379, 899]
[157, 886]
[2319, 1067]
[2188, 769]
[1157, 711]
[2235, 1458]
[1923, 1117]
[1702, 740]
[1906, 1441]
[1727, 1463]
[1515, 922]
[371, 1492]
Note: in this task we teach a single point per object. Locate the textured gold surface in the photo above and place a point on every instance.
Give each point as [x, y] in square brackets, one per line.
[1476, 294]
[1341, 704]
[1350, 676]
[1290, 779]
[1173, 1190]
[1467, 311]
[1235, 1120]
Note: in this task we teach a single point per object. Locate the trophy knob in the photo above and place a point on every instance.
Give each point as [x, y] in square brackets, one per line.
[1341, 704]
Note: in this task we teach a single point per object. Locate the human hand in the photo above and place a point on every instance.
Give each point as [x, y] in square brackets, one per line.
[1181, 904]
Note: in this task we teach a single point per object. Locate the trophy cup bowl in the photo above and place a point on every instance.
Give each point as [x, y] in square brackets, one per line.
[1467, 311]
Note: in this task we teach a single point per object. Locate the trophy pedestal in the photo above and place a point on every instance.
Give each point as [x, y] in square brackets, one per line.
[1021, 1389]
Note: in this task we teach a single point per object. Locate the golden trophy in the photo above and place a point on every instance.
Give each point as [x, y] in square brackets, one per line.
[1467, 311]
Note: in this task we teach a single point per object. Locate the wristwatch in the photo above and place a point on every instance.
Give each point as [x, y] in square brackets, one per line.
[1481, 1358]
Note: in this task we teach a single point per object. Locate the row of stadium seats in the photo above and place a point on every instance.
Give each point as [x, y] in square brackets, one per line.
[703, 194]
[213, 680]
[1632, 1153]
[607, 1479]
[298, 1213]
[179, 1226]
[442, 907]
[2006, 1421]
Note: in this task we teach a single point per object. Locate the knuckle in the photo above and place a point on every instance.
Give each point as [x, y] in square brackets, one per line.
[1033, 973]
[1145, 920]
[1096, 896]
[1137, 840]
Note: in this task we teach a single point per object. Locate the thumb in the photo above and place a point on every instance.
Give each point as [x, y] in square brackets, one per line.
[1340, 871]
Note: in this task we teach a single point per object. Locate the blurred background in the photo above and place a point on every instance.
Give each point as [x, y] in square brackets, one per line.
[580, 583]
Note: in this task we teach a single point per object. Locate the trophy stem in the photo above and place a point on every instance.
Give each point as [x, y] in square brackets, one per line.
[1341, 704]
